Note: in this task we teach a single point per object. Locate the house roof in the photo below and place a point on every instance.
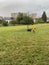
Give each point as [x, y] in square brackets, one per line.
[7, 18]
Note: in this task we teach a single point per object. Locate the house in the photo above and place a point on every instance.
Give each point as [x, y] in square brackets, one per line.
[33, 16]
[7, 19]
[1, 18]
[47, 19]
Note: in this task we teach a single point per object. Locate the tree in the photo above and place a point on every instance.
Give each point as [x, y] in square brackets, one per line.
[1, 21]
[44, 17]
[19, 17]
[24, 19]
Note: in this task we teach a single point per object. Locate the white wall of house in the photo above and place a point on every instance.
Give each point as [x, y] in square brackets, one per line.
[8, 20]
[34, 20]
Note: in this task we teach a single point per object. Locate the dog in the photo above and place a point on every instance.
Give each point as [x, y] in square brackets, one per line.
[29, 30]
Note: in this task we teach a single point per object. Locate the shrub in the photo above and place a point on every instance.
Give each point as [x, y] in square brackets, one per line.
[40, 21]
[5, 23]
[22, 22]
[13, 22]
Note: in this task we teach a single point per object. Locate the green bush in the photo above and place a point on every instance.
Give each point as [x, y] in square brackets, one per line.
[40, 21]
[13, 22]
[22, 22]
[5, 23]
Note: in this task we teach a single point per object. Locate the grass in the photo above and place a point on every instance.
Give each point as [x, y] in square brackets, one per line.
[19, 47]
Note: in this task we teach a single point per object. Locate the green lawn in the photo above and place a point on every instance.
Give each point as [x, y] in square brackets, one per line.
[19, 47]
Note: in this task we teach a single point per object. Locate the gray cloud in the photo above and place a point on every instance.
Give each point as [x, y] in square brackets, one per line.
[33, 6]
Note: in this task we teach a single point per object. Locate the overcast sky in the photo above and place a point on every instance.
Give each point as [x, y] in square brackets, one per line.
[32, 6]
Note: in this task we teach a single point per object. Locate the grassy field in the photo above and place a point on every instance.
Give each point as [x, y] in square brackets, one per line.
[19, 47]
